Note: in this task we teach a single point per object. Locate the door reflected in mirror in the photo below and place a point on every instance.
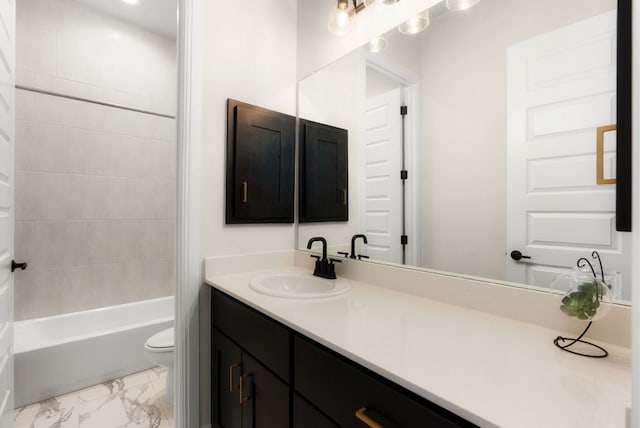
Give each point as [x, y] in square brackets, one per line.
[499, 142]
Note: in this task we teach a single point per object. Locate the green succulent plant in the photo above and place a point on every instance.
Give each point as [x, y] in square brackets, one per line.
[585, 301]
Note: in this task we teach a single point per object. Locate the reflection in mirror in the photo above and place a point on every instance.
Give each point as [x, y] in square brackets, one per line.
[499, 141]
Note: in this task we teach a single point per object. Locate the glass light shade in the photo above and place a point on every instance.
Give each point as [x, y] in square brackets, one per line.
[378, 44]
[457, 5]
[339, 22]
[379, 5]
[415, 24]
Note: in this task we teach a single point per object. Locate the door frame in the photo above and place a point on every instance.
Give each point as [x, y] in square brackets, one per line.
[188, 258]
[410, 82]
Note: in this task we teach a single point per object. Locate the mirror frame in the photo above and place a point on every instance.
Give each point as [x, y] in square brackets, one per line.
[624, 186]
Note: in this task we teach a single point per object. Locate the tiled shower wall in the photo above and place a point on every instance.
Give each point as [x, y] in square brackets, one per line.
[95, 185]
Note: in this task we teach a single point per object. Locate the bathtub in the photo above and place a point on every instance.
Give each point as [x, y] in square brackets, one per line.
[63, 353]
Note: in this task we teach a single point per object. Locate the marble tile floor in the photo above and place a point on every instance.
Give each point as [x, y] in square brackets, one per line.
[136, 400]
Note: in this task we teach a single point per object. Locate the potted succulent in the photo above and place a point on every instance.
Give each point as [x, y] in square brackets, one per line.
[584, 297]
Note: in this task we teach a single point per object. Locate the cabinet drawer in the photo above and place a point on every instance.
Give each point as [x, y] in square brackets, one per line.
[307, 416]
[265, 339]
[339, 388]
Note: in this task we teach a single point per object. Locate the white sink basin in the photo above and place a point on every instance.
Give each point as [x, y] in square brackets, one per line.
[298, 285]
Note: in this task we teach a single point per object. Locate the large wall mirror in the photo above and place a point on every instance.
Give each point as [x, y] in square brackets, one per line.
[506, 103]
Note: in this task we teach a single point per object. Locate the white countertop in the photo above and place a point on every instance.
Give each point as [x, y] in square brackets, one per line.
[490, 370]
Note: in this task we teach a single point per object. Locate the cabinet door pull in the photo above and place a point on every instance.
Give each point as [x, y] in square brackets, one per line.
[245, 192]
[243, 398]
[344, 197]
[361, 415]
[232, 367]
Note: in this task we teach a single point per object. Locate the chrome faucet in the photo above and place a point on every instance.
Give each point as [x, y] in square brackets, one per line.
[325, 268]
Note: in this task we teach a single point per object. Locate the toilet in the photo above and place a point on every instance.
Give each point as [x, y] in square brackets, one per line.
[159, 350]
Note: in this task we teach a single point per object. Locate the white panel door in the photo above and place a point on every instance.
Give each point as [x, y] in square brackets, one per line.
[383, 186]
[561, 87]
[7, 152]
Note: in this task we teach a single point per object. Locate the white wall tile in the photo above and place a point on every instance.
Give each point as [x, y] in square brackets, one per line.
[24, 241]
[95, 185]
[34, 196]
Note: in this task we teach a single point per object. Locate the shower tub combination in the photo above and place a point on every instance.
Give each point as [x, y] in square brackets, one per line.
[64, 353]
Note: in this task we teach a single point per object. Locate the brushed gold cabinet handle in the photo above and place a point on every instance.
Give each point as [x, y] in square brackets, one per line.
[245, 192]
[600, 155]
[232, 367]
[344, 197]
[242, 397]
[361, 415]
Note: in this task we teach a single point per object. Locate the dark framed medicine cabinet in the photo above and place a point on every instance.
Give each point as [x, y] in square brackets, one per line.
[323, 173]
[260, 165]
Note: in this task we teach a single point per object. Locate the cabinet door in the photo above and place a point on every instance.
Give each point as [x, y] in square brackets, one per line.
[226, 368]
[266, 398]
[323, 173]
[260, 165]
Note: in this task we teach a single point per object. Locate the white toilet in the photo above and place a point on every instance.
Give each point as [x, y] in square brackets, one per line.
[159, 350]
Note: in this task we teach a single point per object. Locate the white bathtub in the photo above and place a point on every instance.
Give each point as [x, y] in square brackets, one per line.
[63, 353]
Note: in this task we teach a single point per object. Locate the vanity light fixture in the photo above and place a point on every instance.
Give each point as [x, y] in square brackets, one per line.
[131, 2]
[339, 18]
[379, 5]
[458, 5]
[416, 24]
[378, 44]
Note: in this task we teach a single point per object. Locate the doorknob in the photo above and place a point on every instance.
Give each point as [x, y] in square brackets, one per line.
[517, 255]
[15, 265]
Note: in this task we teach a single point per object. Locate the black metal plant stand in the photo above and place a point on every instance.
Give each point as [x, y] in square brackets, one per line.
[565, 343]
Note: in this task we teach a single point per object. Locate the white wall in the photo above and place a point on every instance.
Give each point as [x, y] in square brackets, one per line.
[250, 57]
[95, 185]
[464, 127]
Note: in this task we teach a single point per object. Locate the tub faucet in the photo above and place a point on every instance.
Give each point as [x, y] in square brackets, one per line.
[325, 268]
[353, 246]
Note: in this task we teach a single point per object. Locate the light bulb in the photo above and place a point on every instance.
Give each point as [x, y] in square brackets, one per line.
[339, 22]
[378, 44]
[415, 24]
[379, 5]
[457, 5]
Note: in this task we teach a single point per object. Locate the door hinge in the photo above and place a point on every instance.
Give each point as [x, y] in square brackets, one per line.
[404, 240]
[403, 110]
[404, 174]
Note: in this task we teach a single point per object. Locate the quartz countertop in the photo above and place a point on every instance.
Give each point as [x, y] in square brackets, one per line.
[491, 370]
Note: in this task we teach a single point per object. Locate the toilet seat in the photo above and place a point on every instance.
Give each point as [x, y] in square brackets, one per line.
[161, 342]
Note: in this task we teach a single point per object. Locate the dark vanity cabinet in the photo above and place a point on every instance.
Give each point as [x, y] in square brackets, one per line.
[265, 375]
[260, 165]
[250, 368]
[323, 174]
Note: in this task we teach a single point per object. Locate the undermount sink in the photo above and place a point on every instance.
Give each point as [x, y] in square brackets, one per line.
[298, 285]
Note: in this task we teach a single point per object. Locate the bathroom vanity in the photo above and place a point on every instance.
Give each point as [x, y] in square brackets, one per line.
[395, 355]
[258, 364]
